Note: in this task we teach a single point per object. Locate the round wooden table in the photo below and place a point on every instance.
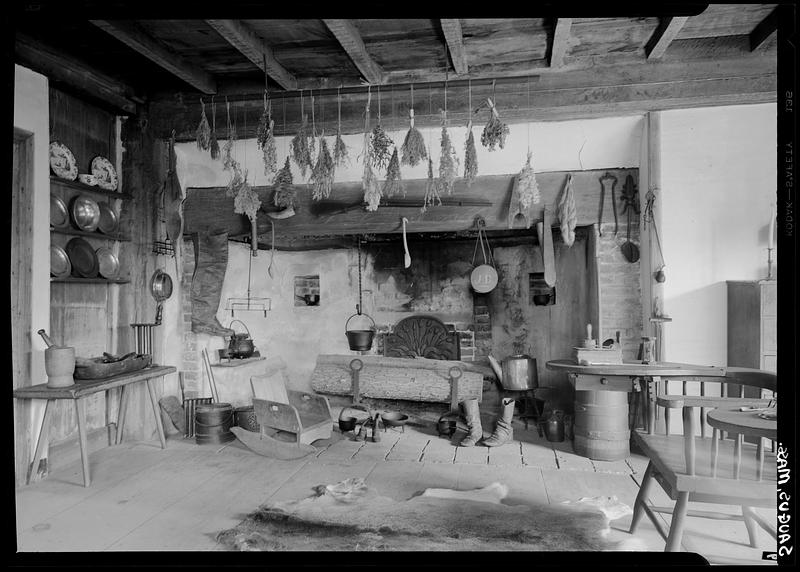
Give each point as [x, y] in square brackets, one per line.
[740, 424]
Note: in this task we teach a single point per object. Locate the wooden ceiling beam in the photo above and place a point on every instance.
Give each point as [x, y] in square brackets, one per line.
[560, 41]
[350, 40]
[455, 44]
[666, 31]
[76, 74]
[244, 39]
[133, 36]
[764, 30]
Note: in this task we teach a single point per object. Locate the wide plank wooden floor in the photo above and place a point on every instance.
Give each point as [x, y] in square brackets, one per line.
[144, 498]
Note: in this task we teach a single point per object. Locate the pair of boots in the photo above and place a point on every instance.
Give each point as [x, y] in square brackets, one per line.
[210, 263]
[503, 431]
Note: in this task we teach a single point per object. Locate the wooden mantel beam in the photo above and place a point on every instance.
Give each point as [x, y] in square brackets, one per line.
[764, 30]
[348, 36]
[244, 39]
[666, 31]
[455, 44]
[76, 74]
[560, 41]
[132, 35]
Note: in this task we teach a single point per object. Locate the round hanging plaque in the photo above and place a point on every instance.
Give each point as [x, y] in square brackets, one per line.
[483, 278]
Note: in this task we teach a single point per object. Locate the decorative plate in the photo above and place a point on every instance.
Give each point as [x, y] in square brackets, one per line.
[83, 258]
[107, 262]
[62, 161]
[60, 266]
[90, 180]
[85, 213]
[104, 173]
[108, 219]
[59, 217]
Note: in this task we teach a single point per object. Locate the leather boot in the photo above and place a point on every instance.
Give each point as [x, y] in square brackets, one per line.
[503, 431]
[210, 262]
[473, 417]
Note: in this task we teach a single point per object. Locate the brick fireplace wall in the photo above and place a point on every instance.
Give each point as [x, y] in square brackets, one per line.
[192, 373]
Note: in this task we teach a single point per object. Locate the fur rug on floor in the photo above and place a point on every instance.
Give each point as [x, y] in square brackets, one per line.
[349, 516]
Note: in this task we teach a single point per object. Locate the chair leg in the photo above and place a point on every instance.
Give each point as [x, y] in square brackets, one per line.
[751, 524]
[678, 523]
[641, 498]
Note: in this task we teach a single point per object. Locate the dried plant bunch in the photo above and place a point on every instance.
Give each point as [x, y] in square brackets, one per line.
[432, 196]
[203, 133]
[213, 144]
[340, 153]
[300, 148]
[246, 201]
[372, 190]
[393, 184]
[285, 193]
[495, 131]
[527, 186]
[470, 157]
[266, 139]
[380, 148]
[414, 145]
[322, 174]
[448, 164]
[567, 213]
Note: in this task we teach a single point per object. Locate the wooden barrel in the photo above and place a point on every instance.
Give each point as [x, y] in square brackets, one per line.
[213, 423]
[601, 425]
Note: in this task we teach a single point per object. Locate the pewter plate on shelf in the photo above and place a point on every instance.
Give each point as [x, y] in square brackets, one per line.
[60, 266]
[104, 173]
[85, 213]
[108, 219]
[62, 161]
[59, 217]
[83, 258]
[107, 262]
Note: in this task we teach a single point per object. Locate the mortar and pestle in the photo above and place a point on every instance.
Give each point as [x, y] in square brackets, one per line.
[59, 363]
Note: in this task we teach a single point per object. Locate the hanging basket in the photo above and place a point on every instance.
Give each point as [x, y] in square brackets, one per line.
[360, 340]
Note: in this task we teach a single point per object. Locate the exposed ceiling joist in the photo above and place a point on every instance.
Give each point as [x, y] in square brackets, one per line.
[560, 40]
[132, 35]
[666, 31]
[348, 36]
[455, 44]
[244, 39]
[764, 30]
[74, 73]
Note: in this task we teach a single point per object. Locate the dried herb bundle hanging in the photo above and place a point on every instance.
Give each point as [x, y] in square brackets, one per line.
[380, 145]
[431, 189]
[213, 144]
[340, 155]
[414, 144]
[393, 184]
[495, 131]
[246, 201]
[285, 193]
[527, 185]
[470, 157]
[448, 164]
[227, 149]
[300, 149]
[203, 133]
[266, 139]
[567, 213]
[322, 175]
[369, 183]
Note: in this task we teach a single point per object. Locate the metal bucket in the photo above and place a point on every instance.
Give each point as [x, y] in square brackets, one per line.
[519, 373]
[360, 340]
[213, 423]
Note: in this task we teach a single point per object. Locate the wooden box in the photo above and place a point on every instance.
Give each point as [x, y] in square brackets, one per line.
[595, 356]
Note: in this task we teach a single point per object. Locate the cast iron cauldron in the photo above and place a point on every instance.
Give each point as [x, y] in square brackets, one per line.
[359, 340]
[447, 424]
[240, 345]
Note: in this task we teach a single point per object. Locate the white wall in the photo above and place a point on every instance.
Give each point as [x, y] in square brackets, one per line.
[298, 334]
[719, 180]
[32, 113]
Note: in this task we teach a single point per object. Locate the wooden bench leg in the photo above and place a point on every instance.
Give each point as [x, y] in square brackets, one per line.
[156, 412]
[41, 443]
[123, 405]
[641, 498]
[80, 414]
[678, 523]
[751, 525]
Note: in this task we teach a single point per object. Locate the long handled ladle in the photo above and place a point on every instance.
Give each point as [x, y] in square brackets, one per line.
[407, 258]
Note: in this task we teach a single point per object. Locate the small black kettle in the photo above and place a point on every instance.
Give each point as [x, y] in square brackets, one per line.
[241, 345]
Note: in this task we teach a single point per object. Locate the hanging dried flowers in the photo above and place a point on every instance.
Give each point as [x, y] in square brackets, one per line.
[339, 150]
[203, 133]
[266, 139]
[322, 174]
[528, 188]
[246, 201]
[369, 183]
[414, 145]
[431, 189]
[227, 149]
[213, 144]
[495, 131]
[380, 145]
[470, 157]
[448, 164]
[301, 149]
[393, 184]
[567, 213]
[285, 193]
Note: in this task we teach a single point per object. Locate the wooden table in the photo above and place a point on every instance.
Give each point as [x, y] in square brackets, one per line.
[78, 392]
[636, 377]
[742, 424]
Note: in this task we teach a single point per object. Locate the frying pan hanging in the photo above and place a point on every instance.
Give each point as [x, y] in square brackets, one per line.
[161, 289]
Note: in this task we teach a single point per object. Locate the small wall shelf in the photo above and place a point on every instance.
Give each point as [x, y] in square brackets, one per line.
[75, 280]
[76, 232]
[78, 186]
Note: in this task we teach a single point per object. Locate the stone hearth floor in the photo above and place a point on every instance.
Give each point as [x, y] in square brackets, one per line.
[143, 498]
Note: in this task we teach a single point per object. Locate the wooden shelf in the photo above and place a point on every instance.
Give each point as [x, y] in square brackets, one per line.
[74, 280]
[76, 232]
[78, 186]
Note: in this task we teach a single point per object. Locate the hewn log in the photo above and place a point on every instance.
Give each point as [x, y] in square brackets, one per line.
[560, 41]
[381, 377]
[666, 31]
[455, 44]
[350, 39]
